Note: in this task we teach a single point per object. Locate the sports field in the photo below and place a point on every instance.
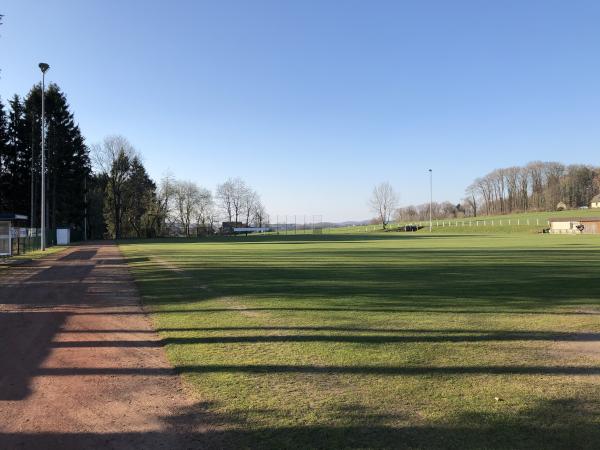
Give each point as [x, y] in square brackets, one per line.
[383, 339]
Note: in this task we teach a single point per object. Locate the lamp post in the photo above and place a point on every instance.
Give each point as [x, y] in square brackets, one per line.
[430, 198]
[43, 67]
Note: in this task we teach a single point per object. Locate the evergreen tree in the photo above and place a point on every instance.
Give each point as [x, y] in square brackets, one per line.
[67, 158]
[15, 185]
[4, 174]
[141, 199]
[96, 192]
[115, 205]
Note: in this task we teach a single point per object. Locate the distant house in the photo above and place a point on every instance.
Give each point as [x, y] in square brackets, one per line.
[573, 225]
[595, 202]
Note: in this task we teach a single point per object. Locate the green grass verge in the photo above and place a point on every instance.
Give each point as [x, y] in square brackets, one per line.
[382, 340]
[36, 254]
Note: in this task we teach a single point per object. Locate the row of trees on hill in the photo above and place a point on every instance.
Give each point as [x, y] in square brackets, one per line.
[538, 186]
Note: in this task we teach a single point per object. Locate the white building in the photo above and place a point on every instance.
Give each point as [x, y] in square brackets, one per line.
[565, 225]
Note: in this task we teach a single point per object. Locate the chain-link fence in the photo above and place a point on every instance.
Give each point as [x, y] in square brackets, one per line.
[297, 224]
[25, 240]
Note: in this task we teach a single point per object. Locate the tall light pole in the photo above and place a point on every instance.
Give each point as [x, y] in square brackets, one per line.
[43, 67]
[85, 208]
[430, 198]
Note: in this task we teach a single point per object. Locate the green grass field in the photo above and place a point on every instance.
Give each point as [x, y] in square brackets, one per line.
[383, 340]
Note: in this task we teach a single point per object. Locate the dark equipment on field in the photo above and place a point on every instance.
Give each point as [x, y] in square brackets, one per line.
[410, 228]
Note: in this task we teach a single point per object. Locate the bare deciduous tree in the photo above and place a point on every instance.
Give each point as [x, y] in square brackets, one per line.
[186, 198]
[383, 202]
[166, 193]
[236, 199]
[231, 197]
[105, 154]
[204, 209]
[260, 216]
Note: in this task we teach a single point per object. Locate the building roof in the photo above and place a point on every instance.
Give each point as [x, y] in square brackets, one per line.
[12, 216]
[596, 198]
[574, 219]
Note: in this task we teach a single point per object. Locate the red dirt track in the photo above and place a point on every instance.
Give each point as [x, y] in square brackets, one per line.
[80, 366]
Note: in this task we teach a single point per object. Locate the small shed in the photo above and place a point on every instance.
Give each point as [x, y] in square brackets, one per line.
[63, 236]
[595, 202]
[591, 225]
[564, 225]
[575, 225]
[7, 231]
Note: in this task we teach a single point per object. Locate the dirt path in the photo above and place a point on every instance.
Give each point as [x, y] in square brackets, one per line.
[80, 366]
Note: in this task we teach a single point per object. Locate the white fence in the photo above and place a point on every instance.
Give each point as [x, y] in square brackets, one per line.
[488, 222]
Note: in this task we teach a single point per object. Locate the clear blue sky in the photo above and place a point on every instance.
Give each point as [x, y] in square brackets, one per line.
[314, 102]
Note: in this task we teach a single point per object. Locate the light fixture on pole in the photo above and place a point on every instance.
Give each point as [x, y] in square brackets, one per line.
[430, 198]
[43, 67]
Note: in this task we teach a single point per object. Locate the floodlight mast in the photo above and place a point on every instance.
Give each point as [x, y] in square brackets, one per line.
[44, 68]
[430, 199]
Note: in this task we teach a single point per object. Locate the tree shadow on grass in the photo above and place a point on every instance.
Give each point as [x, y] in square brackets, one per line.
[524, 286]
[274, 369]
[372, 339]
[549, 424]
[302, 238]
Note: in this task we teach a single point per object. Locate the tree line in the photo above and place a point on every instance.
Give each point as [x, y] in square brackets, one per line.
[103, 190]
[128, 203]
[537, 186]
